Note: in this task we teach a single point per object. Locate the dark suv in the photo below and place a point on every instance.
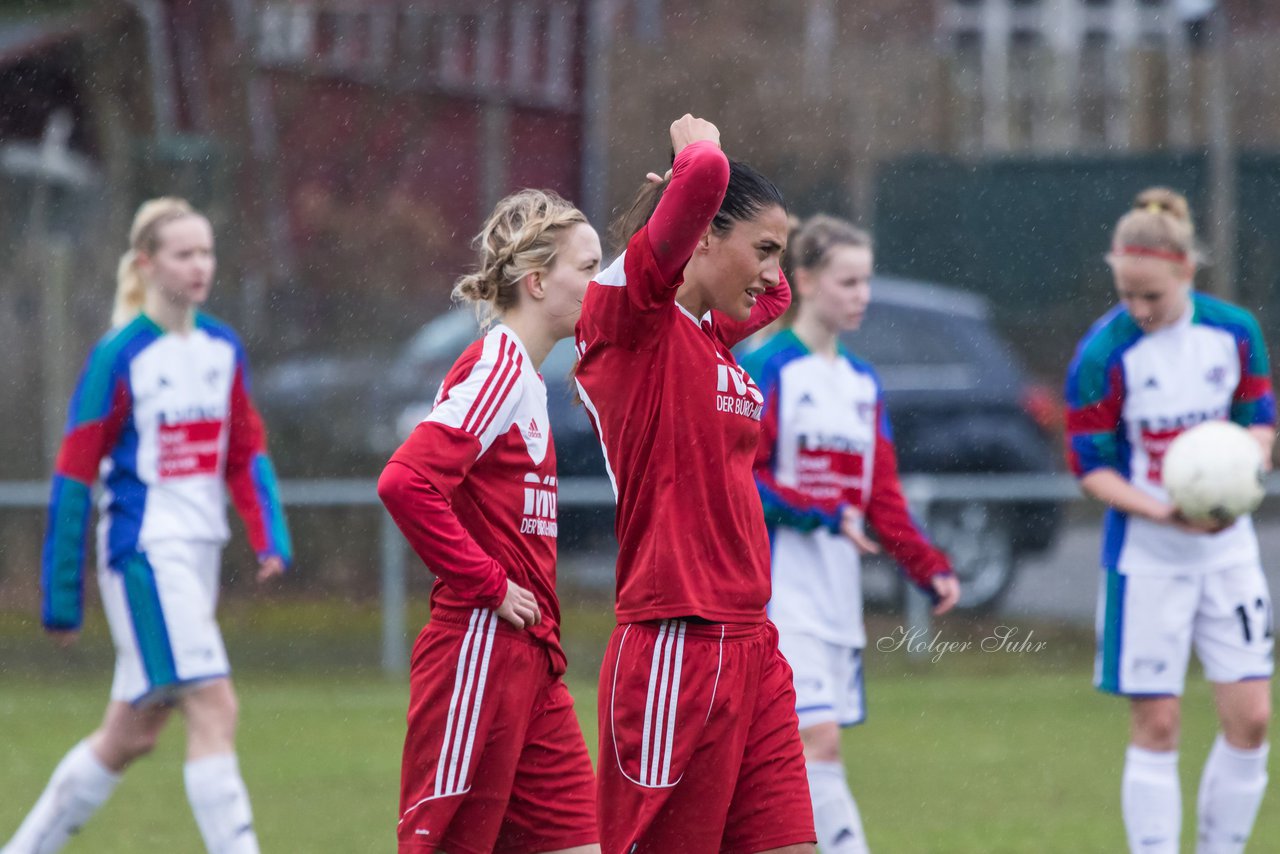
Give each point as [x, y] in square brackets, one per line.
[958, 399]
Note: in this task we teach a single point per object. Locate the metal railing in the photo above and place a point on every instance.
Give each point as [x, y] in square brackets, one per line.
[922, 492]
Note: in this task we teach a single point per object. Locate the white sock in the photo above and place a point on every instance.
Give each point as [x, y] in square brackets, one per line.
[221, 804]
[79, 785]
[1231, 789]
[835, 815]
[1151, 801]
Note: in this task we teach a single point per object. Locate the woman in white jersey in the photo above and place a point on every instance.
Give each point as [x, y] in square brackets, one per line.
[827, 463]
[1164, 359]
[162, 414]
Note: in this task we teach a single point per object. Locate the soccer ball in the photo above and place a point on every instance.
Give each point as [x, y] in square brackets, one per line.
[1213, 472]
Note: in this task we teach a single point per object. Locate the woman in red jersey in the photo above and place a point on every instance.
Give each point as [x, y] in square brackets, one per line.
[699, 747]
[494, 759]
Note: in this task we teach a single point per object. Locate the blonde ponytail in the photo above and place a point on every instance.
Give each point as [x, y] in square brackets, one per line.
[144, 237]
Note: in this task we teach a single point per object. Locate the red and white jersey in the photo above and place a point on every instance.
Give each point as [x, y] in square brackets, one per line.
[826, 445]
[678, 419]
[474, 487]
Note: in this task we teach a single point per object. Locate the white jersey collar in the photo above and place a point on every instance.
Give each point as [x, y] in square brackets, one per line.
[706, 318]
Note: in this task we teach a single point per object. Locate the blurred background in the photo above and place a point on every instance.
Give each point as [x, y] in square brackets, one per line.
[347, 150]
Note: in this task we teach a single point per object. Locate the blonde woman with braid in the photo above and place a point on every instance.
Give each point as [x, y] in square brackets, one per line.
[494, 758]
[1163, 360]
[162, 414]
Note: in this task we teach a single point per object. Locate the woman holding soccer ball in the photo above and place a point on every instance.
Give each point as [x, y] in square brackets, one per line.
[1164, 360]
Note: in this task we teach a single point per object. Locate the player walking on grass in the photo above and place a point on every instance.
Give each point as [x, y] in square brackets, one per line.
[1162, 361]
[162, 414]
[699, 750]
[826, 464]
[494, 759]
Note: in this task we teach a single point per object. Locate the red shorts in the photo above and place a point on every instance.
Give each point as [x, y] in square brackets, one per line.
[699, 745]
[494, 758]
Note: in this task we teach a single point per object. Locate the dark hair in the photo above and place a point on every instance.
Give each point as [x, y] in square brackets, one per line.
[748, 194]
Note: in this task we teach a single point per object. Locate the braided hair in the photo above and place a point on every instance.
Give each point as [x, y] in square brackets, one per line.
[521, 237]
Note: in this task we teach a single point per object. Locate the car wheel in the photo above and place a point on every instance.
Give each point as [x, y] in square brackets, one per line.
[979, 541]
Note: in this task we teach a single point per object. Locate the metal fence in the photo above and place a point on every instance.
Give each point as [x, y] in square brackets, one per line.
[922, 491]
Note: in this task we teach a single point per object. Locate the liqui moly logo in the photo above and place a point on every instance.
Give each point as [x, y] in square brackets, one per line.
[539, 506]
[736, 393]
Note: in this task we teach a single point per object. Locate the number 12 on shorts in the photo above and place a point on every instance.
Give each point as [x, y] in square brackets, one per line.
[1263, 609]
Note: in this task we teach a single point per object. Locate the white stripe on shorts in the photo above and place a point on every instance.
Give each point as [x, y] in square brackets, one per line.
[464, 707]
[648, 702]
[473, 670]
[658, 736]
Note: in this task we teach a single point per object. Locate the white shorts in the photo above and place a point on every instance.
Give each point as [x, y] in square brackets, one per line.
[828, 680]
[160, 606]
[1147, 625]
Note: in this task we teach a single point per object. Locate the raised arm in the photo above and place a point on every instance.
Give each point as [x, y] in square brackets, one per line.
[627, 301]
[99, 409]
[699, 178]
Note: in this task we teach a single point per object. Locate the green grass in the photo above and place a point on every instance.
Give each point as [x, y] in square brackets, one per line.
[980, 752]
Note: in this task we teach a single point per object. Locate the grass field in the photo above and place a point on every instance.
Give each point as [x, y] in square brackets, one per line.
[978, 753]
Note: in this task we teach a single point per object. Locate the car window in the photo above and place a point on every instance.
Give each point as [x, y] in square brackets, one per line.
[442, 339]
[913, 347]
[895, 335]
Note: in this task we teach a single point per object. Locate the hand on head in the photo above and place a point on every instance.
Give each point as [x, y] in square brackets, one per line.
[687, 130]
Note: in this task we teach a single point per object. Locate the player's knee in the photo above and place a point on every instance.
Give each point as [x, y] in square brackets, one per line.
[821, 745]
[1157, 729]
[139, 743]
[212, 713]
[1249, 729]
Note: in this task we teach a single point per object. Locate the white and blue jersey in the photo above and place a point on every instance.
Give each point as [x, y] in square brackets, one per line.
[825, 445]
[1130, 394]
[166, 421]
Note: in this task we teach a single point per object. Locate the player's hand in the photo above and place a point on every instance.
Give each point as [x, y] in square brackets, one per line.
[519, 608]
[947, 590]
[687, 130]
[1266, 437]
[1199, 526]
[270, 567]
[655, 178]
[851, 527]
[65, 638]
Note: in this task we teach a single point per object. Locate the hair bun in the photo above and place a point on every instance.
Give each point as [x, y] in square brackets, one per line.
[1163, 200]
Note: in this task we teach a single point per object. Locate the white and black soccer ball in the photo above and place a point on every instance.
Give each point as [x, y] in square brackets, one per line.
[1213, 472]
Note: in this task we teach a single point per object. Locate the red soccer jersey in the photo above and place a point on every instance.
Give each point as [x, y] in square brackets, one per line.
[678, 419]
[474, 487]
